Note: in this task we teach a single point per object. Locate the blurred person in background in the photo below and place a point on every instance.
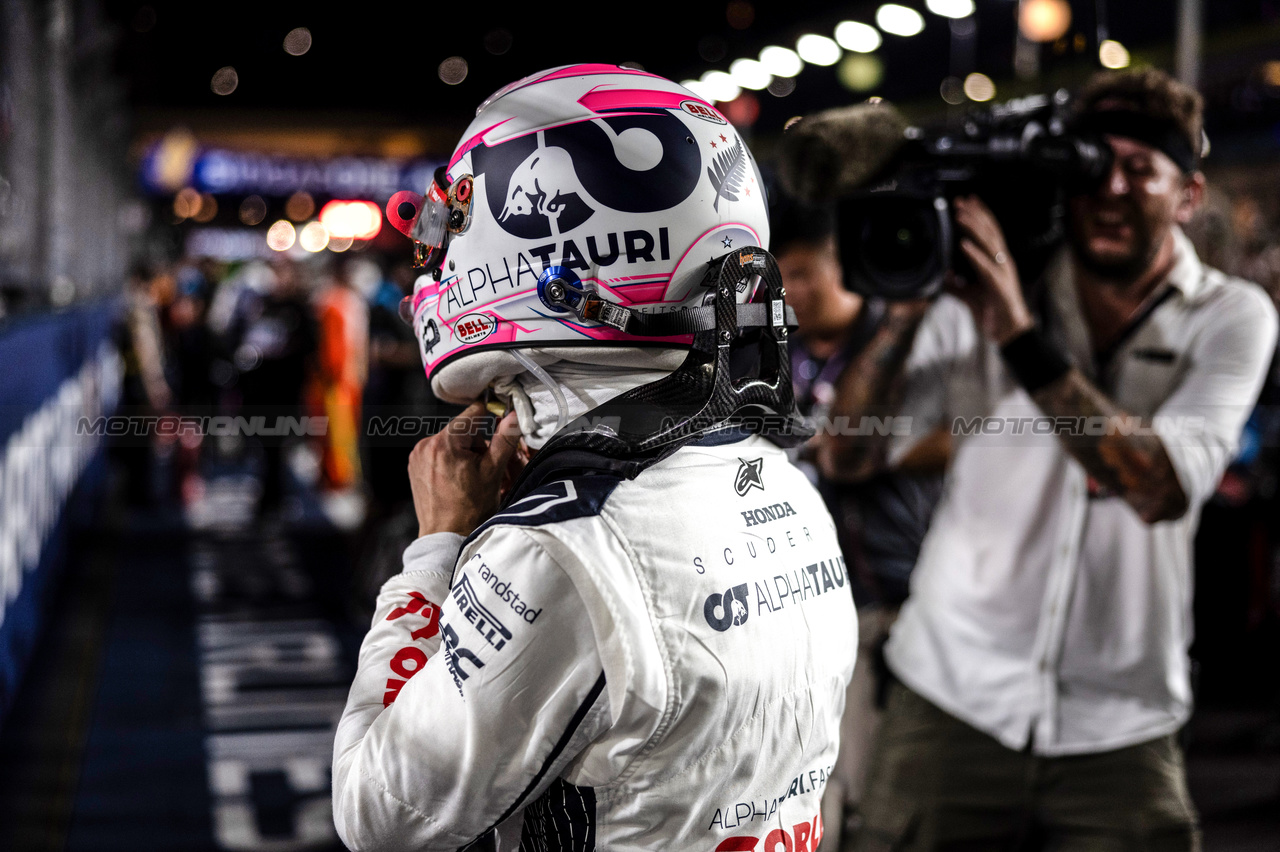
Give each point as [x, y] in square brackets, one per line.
[1041, 660]
[341, 369]
[191, 340]
[1259, 250]
[274, 340]
[1237, 605]
[881, 517]
[394, 367]
[396, 388]
[145, 389]
[192, 348]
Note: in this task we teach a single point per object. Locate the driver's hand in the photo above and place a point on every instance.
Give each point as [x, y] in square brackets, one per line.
[457, 475]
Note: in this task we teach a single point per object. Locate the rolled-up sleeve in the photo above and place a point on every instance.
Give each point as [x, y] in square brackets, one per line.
[946, 336]
[1200, 423]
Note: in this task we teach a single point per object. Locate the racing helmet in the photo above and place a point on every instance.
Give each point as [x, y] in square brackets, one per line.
[582, 205]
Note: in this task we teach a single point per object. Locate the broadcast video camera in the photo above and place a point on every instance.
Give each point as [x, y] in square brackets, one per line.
[893, 185]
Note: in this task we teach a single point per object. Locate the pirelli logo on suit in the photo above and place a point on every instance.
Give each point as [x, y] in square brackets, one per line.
[481, 618]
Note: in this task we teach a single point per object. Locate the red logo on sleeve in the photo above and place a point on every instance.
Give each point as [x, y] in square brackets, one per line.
[410, 659]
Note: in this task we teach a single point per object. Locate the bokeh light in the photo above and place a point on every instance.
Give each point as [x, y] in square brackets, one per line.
[1044, 20]
[360, 220]
[225, 80]
[719, 86]
[186, 204]
[818, 50]
[1271, 73]
[742, 111]
[899, 20]
[453, 70]
[782, 86]
[253, 210]
[298, 41]
[781, 61]
[979, 87]
[952, 90]
[207, 209]
[857, 36]
[950, 8]
[860, 72]
[340, 244]
[281, 236]
[750, 74]
[300, 206]
[314, 237]
[1113, 54]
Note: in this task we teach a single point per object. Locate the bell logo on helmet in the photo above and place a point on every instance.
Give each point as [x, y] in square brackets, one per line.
[702, 111]
[472, 328]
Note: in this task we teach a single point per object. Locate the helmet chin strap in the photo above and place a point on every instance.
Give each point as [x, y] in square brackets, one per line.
[703, 395]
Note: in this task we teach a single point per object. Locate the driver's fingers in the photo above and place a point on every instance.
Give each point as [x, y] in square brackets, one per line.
[505, 442]
[463, 432]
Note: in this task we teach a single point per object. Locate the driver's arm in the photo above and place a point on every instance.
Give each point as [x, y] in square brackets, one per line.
[469, 701]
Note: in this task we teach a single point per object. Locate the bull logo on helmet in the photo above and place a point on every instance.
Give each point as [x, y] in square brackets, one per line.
[545, 184]
[550, 182]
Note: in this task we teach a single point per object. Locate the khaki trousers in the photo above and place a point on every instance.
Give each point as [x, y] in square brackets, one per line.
[936, 783]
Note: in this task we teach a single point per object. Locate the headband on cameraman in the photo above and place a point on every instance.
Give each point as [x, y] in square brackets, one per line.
[1162, 134]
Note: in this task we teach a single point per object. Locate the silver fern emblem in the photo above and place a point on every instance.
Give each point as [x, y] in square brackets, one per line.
[726, 172]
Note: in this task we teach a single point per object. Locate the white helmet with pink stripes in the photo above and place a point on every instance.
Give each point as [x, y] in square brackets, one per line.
[581, 204]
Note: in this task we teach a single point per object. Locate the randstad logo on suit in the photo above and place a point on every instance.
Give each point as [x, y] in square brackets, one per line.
[502, 588]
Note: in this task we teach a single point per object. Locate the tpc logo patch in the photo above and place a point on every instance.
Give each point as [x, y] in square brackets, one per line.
[749, 476]
[727, 610]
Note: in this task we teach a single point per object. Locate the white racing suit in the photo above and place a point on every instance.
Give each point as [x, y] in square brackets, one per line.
[656, 663]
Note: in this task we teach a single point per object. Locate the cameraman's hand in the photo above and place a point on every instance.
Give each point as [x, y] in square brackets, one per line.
[996, 296]
[457, 476]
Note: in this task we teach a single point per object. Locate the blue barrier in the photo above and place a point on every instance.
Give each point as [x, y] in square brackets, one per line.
[54, 371]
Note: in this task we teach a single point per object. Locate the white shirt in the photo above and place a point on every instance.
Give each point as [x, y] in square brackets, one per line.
[613, 663]
[1038, 614]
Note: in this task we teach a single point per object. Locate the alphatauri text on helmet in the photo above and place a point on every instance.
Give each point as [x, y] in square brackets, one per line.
[636, 246]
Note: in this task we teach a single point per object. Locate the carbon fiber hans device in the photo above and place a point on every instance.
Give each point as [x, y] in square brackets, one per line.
[648, 423]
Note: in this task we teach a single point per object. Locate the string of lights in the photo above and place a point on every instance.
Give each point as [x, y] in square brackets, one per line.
[854, 43]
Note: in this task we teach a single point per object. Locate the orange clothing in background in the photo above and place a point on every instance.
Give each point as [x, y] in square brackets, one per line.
[342, 370]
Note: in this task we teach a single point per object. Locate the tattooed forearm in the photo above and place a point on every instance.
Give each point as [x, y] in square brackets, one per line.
[871, 384]
[1134, 466]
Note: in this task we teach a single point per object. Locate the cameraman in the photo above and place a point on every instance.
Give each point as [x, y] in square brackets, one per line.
[1041, 657]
